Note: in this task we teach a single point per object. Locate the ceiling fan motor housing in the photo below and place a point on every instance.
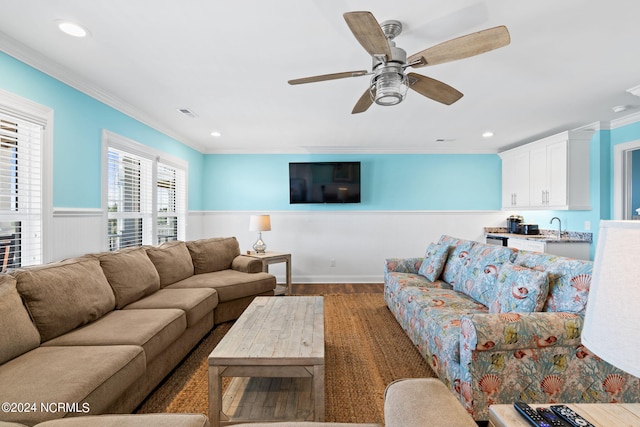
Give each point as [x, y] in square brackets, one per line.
[389, 83]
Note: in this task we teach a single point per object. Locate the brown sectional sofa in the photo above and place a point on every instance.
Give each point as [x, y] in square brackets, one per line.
[96, 334]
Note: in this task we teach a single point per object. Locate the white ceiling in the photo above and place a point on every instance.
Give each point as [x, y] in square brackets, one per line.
[568, 64]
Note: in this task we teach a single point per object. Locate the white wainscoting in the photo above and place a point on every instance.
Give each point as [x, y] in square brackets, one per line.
[356, 243]
[74, 232]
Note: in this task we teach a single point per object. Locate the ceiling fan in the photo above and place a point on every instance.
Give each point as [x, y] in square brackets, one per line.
[389, 83]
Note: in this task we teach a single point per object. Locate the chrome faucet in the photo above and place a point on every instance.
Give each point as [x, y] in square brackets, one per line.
[559, 226]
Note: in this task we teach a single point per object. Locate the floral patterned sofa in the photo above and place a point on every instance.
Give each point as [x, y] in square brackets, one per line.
[499, 325]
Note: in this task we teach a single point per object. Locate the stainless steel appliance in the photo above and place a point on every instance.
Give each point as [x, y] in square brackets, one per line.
[496, 240]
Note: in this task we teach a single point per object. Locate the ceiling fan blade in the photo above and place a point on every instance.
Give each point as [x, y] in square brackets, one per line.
[324, 77]
[462, 47]
[434, 89]
[363, 103]
[367, 31]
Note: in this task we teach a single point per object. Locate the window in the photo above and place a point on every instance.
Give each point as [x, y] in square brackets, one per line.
[22, 168]
[146, 194]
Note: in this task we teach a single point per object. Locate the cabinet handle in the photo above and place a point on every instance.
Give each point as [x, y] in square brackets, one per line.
[547, 196]
[543, 197]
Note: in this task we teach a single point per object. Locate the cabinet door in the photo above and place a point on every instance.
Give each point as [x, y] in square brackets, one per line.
[515, 180]
[557, 174]
[538, 176]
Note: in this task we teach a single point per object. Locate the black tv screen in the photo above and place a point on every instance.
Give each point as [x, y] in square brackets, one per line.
[324, 182]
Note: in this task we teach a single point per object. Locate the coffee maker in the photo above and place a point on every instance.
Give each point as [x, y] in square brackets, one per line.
[512, 223]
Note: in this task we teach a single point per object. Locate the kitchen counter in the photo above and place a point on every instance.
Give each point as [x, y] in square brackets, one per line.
[544, 236]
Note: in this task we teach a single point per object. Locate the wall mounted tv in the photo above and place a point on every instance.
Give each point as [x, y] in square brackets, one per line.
[324, 182]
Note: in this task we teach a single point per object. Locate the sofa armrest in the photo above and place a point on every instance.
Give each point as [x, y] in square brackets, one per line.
[514, 331]
[423, 402]
[246, 264]
[403, 265]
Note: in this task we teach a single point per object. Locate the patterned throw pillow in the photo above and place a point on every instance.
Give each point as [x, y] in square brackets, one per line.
[434, 260]
[520, 289]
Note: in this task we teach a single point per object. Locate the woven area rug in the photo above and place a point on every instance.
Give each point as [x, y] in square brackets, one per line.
[365, 350]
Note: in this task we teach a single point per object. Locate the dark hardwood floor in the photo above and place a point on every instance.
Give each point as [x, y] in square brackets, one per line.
[336, 288]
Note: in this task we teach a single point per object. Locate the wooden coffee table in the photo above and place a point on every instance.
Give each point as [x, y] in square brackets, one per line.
[276, 348]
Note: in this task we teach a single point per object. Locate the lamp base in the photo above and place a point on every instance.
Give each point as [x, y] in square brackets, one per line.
[260, 246]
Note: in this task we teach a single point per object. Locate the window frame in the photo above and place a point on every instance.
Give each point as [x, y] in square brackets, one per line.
[25, 109]
[121, 143]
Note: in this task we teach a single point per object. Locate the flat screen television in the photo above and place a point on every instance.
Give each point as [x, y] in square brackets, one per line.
[324, 182]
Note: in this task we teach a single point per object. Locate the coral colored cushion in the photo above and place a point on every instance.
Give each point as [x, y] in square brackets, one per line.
[519, 289]
[434, 260]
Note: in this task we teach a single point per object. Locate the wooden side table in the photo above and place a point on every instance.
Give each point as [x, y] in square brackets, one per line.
[598, 414]
[275, 258]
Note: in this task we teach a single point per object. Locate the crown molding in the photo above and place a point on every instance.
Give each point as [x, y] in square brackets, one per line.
[626, 120]
[25, 54]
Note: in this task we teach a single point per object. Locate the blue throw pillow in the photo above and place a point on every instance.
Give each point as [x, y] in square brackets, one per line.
[434, 260]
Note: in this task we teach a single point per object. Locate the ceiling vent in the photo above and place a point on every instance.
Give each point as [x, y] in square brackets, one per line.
[187, 112]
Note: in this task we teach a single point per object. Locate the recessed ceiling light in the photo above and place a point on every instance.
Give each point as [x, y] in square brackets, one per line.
[487, 134]
[620, 108]
[216, 134]
[73, 29]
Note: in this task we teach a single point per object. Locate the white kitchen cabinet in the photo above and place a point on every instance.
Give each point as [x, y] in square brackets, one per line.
[557, 174]
[515, 192]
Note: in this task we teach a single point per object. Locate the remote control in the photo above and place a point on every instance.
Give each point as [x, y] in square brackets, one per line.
[531, 415]
[570, 416]
[551, 417]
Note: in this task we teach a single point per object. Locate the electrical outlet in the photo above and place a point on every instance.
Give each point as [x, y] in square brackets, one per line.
[587, 225]
[332, 263]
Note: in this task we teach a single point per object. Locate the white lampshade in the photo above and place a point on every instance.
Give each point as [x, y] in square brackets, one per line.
[259, 223]
[612, 319]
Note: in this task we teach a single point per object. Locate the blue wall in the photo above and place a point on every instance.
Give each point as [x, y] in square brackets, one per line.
[78, 123]
[260, 182]
[389, 182]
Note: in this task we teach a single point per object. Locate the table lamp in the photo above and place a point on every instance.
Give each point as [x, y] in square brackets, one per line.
[612, 319]
[259, 223]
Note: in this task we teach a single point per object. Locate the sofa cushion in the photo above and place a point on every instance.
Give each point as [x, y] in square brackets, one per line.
[478, 276]
[569, 279]
[519, 289]
[230, 284]
[17, 333]
[434, 260]
[213, 254]
[64, 295]
[196, 303]
[130, 273]
[132, 420]
[172, 260]
[458, 254]
[93, 376]
[153, 330]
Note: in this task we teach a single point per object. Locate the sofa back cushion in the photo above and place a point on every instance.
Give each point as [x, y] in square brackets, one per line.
[477, 277]
[459, 250]
[569, 279]
[519, 289]
[130, 273]
[17, 333]
[64, 295]
[172, 261]
[213, 254]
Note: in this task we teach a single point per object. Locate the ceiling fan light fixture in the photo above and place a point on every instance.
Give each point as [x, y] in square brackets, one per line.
[389, 87]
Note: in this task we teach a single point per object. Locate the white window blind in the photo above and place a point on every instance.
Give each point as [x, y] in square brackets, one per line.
[171, 203]
[21, 196]
[146, 196]
[129, 204]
